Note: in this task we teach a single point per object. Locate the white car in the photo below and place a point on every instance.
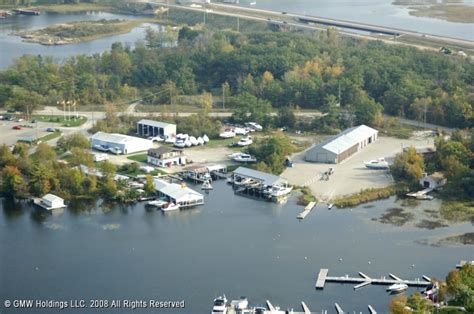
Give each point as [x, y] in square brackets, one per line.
[255, 126]
[241, 131]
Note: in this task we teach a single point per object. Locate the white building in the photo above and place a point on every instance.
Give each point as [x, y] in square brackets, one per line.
[342, 146]
[50, 201]
[166, 156]
[178, 193]
[148, 128]
[119, 143]
[433, 181]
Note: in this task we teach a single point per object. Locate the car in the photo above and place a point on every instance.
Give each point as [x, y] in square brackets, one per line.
[16, 127]
[50, 130]
[33, 121]
[20, 120]
[156, 138]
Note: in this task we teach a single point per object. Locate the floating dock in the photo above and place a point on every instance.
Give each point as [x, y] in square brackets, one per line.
[306, 210]
[365, 280]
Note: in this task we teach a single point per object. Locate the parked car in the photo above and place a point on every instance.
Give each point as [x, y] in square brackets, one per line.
[16, 127]
[50, 130]
[20, 120]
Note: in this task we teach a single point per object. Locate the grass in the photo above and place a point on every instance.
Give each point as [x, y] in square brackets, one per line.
[457, 210]
[139, 157]
[369, 195]
[398, 131]
[49, 136]
[60, 120]
[80, 7]
[213, 143]
[306, 196]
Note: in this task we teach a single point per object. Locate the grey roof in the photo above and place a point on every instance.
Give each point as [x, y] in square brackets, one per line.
[347, 139]
[52, 198]
[266, 178]
[177, 191]
[158, 124]
[116, 138]
[162, 150]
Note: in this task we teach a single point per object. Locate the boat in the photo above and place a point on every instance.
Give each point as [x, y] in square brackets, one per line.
[188, 143]
[205, 138]
[330, 205]
[279, 190]
[254, 126]
[424, 197]
[193, 140]
[378, 164]
[200, 141]
[253, 3]
[246, 141]
[230, 180]
[234, 155]
[102, 148]
[240, 304]
[227, 134]
[206, 185]
[180, 143]
[246, 158]
[169, 207]
[220, 305]
[397, 287]
[241, 131]
[156, 203]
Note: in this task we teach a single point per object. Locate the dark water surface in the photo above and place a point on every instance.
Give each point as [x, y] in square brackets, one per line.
[232, 245]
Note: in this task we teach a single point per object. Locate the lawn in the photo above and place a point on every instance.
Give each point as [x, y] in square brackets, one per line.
[139, 157]
[72, 122]
[50, 136]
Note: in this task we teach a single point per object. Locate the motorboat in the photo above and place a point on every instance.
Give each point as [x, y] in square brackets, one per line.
[200, 141]
[240, 304]
[188, 143]
[170, 140]
[227, 134]
[156, 138]
[397, 287]
[246, 141]
[220, 305]
[234, 155]
[241, 131]
[193, 140]
[206, 185]
[115, 150]
[245, 181]
[180, 143]
[230, 180]
[330, 205]
[279, 190]
[170, 207]
[245, 158]
[205, 138]
[254, 126]
[102, 148]
[424, 197]
[156, 203]
[378, 164]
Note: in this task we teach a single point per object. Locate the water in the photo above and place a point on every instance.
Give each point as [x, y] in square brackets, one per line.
[232, 245]
[378, 12]
[13, 47]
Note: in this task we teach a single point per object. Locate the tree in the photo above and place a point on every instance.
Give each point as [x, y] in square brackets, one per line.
[80, 156]
[12, 181]
[408, 166]
[250, 108]
[149, 185]
[286, 117]
[108, 169]
[41, 179]
[73, 140]
[109, 188]
[418, 304]
[187, 34]
[44, 153]
[272, 152]
[460, 286]
[6, 156]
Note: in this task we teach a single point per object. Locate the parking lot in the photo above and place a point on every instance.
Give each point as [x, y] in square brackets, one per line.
[350, 176]
[9, 136]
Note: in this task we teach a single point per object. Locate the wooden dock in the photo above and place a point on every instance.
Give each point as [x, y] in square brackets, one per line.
[306, 210]
[365, 280]
[372, 310]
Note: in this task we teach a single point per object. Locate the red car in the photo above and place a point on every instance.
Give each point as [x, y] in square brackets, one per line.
[16, 127]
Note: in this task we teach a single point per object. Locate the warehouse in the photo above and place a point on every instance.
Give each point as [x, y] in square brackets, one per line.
[342, 146]
[119, 143]
[150, 128]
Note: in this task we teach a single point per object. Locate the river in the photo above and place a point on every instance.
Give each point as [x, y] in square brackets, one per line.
[232, 245]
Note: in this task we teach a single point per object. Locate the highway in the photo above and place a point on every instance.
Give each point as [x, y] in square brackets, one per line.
[347, 28]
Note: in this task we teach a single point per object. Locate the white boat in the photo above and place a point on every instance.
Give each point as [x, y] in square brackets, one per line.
[193, 140]
[253, 3]
[156, 203]
[220, 305]
[169, 207]
[398, 287]
[233, 155]
[180, 143]
[245, 158]
[330, 205]
[246, 141]
[170, 140]
[424, 197]
[241, 131]
[188, 143]
[254, 126]
[240, 304]
[379, 164]
[156, 138]
[206, 185]
[102, 148]
[115, 151]
[205, 138]
[200, 141]
[278, 190]
[230, 180]
[227, 134]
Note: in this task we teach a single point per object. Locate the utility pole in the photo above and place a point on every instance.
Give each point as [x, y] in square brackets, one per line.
[339, 95]
[424, 113]
[223, 96]
[238, 24]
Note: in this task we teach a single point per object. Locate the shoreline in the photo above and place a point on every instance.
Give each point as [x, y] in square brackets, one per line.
[453, 11]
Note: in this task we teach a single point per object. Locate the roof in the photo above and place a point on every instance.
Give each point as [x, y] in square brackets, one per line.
[162, 150]
[155, 123]
[266, 178]
[436, 176]
[177, 191]
[52, 198]
[116, 138]
[348, 138]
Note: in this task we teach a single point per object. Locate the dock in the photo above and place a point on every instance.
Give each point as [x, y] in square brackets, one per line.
[365, 280]
[338, 309]
[372, 310]
[420, 193]
[462, 263]
[306, 210]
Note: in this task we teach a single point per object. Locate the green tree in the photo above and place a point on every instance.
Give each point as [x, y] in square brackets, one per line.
[272, 152]
[73, 140]
[250, 108]
[41, 179]
[460, 286]
[108, 169]
[408, 166]
[149, 185]
[44, 153]
[12, 181]
[6, 156]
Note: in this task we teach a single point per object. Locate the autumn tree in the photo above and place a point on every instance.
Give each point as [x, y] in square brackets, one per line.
[408, 166]
[12, 181]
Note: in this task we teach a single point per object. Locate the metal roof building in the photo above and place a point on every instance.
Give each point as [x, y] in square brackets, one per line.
[178, 193]
[337, 148]
[266, 179]
[120, 143]
[156, 128]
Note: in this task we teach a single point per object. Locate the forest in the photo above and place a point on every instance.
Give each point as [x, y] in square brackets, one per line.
[268, 69]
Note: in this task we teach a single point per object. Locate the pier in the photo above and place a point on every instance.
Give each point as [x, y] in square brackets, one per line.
[365, 280]
[32, 11]
[306, 210]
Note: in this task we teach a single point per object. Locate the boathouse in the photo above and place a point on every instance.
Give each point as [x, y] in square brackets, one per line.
[340, 147]
[433, 181]
[153, 128]
[166, 156]
[264, 179]
[178, 193]
[201, 173]
[50, 201]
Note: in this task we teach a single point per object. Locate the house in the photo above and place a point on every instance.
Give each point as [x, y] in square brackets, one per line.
[178, 193]
[433, 181]
[166, 156]
[340, 147]
[119, 143]
[151, 128]
[49, 202]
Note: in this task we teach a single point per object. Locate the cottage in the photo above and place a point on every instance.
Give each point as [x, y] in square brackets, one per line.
[178, 193]
[50, 201]
[337, 148]
[166, 156]
[153, 128]
[433, 181]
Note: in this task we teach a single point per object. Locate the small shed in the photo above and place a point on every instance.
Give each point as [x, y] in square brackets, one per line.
[50, 201]
[433, 181]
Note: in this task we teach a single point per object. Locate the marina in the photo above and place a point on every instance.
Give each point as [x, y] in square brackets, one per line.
[365, 280]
